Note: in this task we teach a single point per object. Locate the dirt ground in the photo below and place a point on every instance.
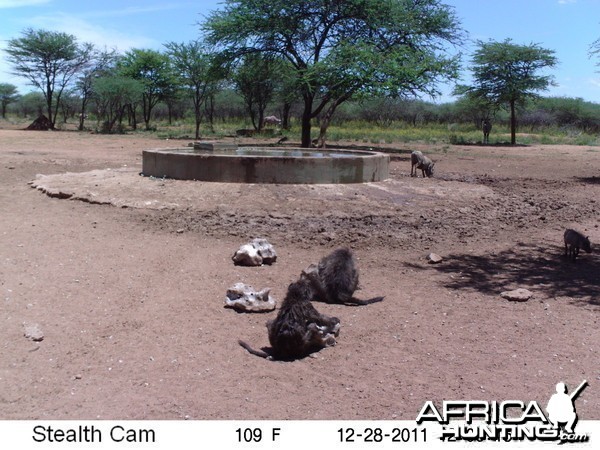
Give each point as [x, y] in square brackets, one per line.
[125, 276]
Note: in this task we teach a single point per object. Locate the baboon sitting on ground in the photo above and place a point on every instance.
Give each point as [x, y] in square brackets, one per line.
[299, 329]
[335, 279]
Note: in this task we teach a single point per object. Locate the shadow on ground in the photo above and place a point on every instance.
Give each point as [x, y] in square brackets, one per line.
[588, 180]
[535, 267]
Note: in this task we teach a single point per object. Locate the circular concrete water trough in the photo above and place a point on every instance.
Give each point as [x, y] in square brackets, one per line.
[232, 164]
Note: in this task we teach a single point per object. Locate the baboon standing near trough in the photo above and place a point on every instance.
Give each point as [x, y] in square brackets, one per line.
[299, 329]
[335, 279]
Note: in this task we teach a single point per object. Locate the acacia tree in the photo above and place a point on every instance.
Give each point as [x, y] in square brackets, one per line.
[154, 71]
[113, 96]
[194, 66]
[256, 79]
[69, 103]
[32, 103]
[286, 92]
[594, 49]
[8, 95]
[102, 64]
[475, 108]
[507, 74]
[49, 60]
[339, 49]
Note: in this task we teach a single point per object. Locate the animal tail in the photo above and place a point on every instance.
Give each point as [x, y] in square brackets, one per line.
[254, 352]
[357, 301]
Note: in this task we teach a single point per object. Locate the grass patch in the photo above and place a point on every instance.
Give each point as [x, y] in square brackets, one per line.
[454, 134]
[369, 133]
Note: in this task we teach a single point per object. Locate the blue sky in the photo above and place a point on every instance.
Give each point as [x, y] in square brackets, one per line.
[566, 26]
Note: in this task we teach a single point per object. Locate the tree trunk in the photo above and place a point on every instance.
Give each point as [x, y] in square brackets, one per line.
[326, 120]
[82, 115]
[132, 116]
[209, 108]
[322, 134]
[146, 110]
[198, 96]
[513, 123]
[285, 116]
[197, 128]
[84, 99]
[261, 120]
[305, 136]
[252, 115]
[49, 95]
[170, 112]
[305, 141]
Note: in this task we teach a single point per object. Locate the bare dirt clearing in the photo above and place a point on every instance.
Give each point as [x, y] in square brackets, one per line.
[128, 285]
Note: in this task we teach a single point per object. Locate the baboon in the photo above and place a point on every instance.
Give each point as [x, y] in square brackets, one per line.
[486, 126]
[299, 329]
[574, 241]
[335, 279]
[420, 161]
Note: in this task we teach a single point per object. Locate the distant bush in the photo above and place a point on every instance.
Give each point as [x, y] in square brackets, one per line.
[375, 120]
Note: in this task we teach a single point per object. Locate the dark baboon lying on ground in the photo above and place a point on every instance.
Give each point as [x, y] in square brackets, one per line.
[335, 279]
[299, 329]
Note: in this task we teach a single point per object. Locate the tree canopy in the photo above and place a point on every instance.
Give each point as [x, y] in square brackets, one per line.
[193, 65]
[102, 64]
[113, 95]
[256, 79]
[49, 60]
[508, 74]
[8, 94]
[153, 70]
[340, 49]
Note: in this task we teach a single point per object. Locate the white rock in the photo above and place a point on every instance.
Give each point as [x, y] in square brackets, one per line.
[434, 258]
[255, 253]
[244, 298]
[519, 295]
[33, 332]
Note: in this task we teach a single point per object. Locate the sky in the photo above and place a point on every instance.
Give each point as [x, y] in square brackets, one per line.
[568, 27]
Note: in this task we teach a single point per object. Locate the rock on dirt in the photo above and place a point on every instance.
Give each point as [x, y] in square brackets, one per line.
[255, 253]
[434, 258]
[245, 298]
[518, 295]
[33, 332]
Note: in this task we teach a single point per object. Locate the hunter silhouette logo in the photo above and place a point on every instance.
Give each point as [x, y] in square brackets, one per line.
[561, 407]
[510, 420]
